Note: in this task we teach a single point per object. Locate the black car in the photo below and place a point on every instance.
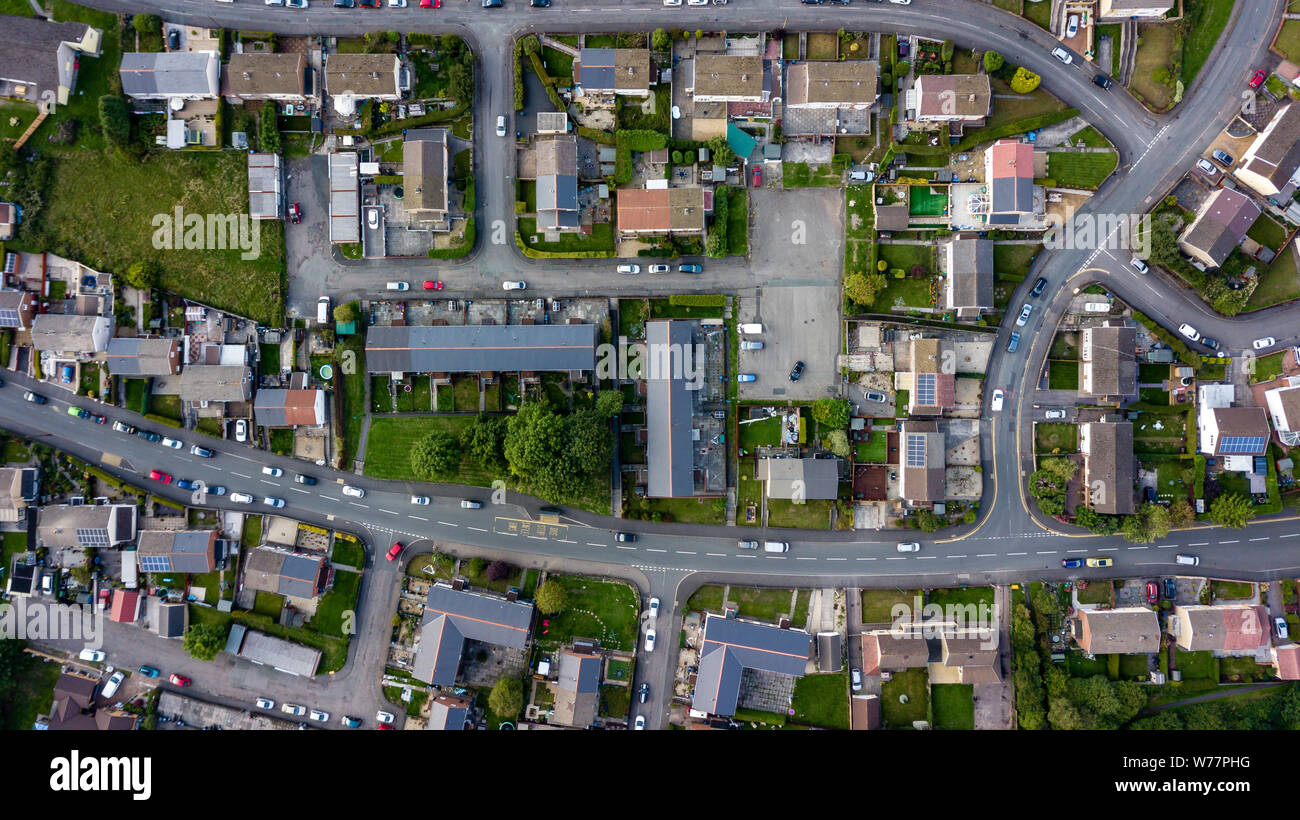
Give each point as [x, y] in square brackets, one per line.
[1038, 287]
[812, 2]
[643, 694]
[370, 4]
[173, 39]
[797, 372]
[344, 4]
[1102, 81]
[539, 4]
[148, 436]
[625, 537]
[304, 479]
[1212, 344]
[1171, 588]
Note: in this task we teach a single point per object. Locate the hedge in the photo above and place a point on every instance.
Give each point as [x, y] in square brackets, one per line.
[460, 251]
[519, 77]
[698, 299]
[547, 81]
[535, 254]
[596, 135]
[988, 134]
[417, 38]
[389, 179]
[166, 502]
[395, 126]
[162, 420]
[1181, 350]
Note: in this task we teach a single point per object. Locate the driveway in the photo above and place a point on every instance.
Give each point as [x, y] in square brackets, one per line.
[307, 245]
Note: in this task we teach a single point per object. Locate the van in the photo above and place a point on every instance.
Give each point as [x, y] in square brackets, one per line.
[1187, 560]
[752, 328]
[466, 504]
[323, 310]
[1096, 307]
[776, 546]
[397, 286]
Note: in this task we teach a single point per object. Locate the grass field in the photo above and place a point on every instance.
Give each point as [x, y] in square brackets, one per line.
[15, 116]
[388, 447]
[1207, 19]
[738, 221]
[761, 603]
[1267, 232]
[1288, 40]
[953, 706]
[912, 683]
[1268, 367]
[341, 599]
[1153, 53]
[1039, 13]
[606, 610]
[812, 515]
[1280, 282]
[707, 598]
[874, 451]
[802, 175]
[766, 431]
[1063, 375]
[1081, 170]
[33, 692]
[1049, 436]
[1014, 259]
[822, 700]
[877, 604]
[601, 239]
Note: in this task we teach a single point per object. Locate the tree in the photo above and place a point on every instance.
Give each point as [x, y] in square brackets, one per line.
[659, 40]
[550, 597]
[1096, 522]
[1181, 514]
[484, 441]
[535, 439]
[530, 44]
[1052, 505]
[720, 151]
[862, 288]
[115, 120]
[460, 82]
[147, 24]
[1149, 522]
[497, 570]
[204, 641]
[347, 312]
[609, 403]
[434, 456]
[992, 61]
[475, 567]
[927, 521]
[837, 441]
[1024, 81]
[716, 245]
[833, 413]
[947, 50]
[1062, 467]
[143, 275]
[8, 158]
[1231, 510]
[590, 442]
[507, 698]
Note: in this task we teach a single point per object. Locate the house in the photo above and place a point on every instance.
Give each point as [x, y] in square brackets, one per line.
[553, 122]
[1221, 223]
[265, 650]
[557, 184]
[1125, 9]
[800, 479]
[1284, 406]
[285, 572]
[74, 708]
[830, 651]
[967, 265]
[670, 437]
[921, 472]
[454, 616]
[577, 693]
[167, 619]
[23, 579]
[171, 75]
[265, 186]
[289, 408]
[188, 551]
[345, 197]
[259, 76]
[1272, 162]
[125, 608]
[351, 78]
[1109, 353]
[448, 713]
[1225, 628]
[426, 166]
[18, 489]
[86, 525]
[729, 646]
[826, 98]
[484, 349]
[972, 653]
[11, 216]
[945, 98]
[605, 73]
[1237, 434]
[724, 78]
[894, 217]
[660, 211]
[71, 335]
[41, 58]
[1133, 630]
[143, 356]
[204, 384]
[1286, 660]
[1108, 465]
[864, 712]
[17, 307]
[932, 386]
[1009, 176]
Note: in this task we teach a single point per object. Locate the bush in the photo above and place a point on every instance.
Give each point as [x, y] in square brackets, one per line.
[992, 61]
[698, 299]
[1024, 81]
[115, 120]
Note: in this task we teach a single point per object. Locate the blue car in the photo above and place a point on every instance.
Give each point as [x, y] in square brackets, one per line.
[148, 671]
[1072, 563]
[217, 490]
[185, 484]
[1014, 343]
[746, 377]
[689, 269]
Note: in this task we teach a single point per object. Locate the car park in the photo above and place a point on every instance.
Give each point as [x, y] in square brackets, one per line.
[909, 546]
[395, 551]
[1264, 343]
[179, 680]
[110, 688]
[690, 269]
[1071, 563]
[34, 398]
[643, 694]
[1258, 79]
[241, 431]
[998, 396]
[273, 472]
[1054, 414]
[149, 436]
[94, 655]
[159, 475]
[264, 703]
[750, 344]
[746, 377]
[1190, 332]
[1039, 286]
[272, 501]
[855, 676]
[422, 500]
[1099, 562]
[78, 413]
[385, 718]
[354, 492]
[1024, 314]
[649, 640]
[513, 285]
[747, 545]
[293, 709]
[796, 372]
[879, 398]
[148, 671]
[625, 537]
[201, 452]
[1222, 157]
[1139, 265]
[1013, 343]
[659, 268]
[1062, 55]
[175, 444]
[299, 478]
[241, 498]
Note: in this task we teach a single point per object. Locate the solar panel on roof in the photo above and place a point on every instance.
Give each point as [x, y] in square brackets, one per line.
[1230, 445]
[915, 450]
[925, 389]
[155, 563]
[92, 537]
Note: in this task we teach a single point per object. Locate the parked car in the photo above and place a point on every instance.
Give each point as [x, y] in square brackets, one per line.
[1013, 342]
[1212, 344]
[1264, 343]
[539, 4]
[492, 4]
[1103, 81]
[1062, 55]
[159, 475]
[501, 126]
[400, 287]
[998, 396]
[1171, 588]
[110, 688]
[34, 398]
[747, 545]
[750, 344]
[1071, 25]
[1279, 624]
[351, 722]
[746, 377]
[1190, 332]
[909, 546]
[318, 715]
[1071, 563]
[173, 39]
[1139, 265]
[186, 484]
[629, 268]
[659, 268]
[796, 372]
[78, 412]
[1153, 592]
[625, 537]
[272, 501]
[432, 284]
[295, 210]
[175, 444]
[309, 481]
[757, 176]
[1258, 79]
[514, 285]
[264, 703]
[273, 472]
[1221, 157]
[201, 452]
[649, 640]
[98, 419]
[385, 718]
[293, 709]
[241, 498]
[1099, 562]
[654, 608]
[689, 269]
[354, 492]
[1187, 560]
[178, 680]
[149, 436]
[638, 725]
[643, 694]
[148, 671]
[470, 504]
[95, 655]
[879, 398]
[241, 431]
[1039, 286]
[1054, 414]
[1024, 314]
[422, 500]
[395, 550]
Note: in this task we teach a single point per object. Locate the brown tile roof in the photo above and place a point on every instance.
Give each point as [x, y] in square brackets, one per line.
[361, 75]
[679, 210]
[864, 712]
[253, 75]
[966, 95]
[1288, 661]
[851, 82]
[1276, 152]
[1221, 223]
[1125, 631]
[924, 481]
[1226, 628]
[883, 651]
[1241, 421]
[1109, 460]
[286, 408]
[722, 75]
[424, 163]
[892, 217]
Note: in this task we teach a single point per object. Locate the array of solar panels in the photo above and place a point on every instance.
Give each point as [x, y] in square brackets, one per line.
[155, 563]
[1241, 445]
[915, 450]
[92, 537]
[925, 389]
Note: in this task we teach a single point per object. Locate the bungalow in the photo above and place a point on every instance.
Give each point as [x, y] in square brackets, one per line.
[143, 356]
[800, 479]
[557, 185]
[947, 98]
[967, 264]
[351, 78]
[483, 349]
[188, 551]
[1271, 165]
[71, 336]
[40, 58]
[86, 525]
[425, 173]
[285, 572]
[289, 408]
[454, 616]
[1108, 465]
[1133, 630]
[825, 99]
[602, 74]
[171, 75]
[729, 646]
[725, 78]
[17, 307]
[1221, 223]
[258, 76]
[661, 211]
[1231, 629]
[1109, 363]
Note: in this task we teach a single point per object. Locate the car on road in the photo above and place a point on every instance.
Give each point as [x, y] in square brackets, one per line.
[1024, 314]
[422, 500]
[273, 472]
[629, 269]
[369, 4]
[1190, 332]
[1071, 563]
[395, 550]
[1099, 562]
[295, 210]
[1187, 560]
[355, 492]
[470, 504]
[385, 718]
[690, 269]
[178, 680]
[78, 412]
[1206, 167]
[272, 501]
[492, 4]
[400, 287]
[625, 537]
[1054, 414]
[501, 126]
[1222, 157]
[175, 444]
[649, 640]
[351, 722]
[539, 4]
[1013, 342]
[1039, 286]
[98, 419]
[293, 709]
[750, 344]
[186, 484]
[1102, 81]
[432, 284]
[659, 268]
[430, 4]
[159, 475]
[148, 671]
[241, 498]
[115, 681]
[264, 703]
[1139, 265]
[654, 608]
[909, 546]
[796, 372]
[1258, 79]
[746, 377]
[998, 396]
[638, 725]
[1279, 624]
[309, 481]
[508, 285]
[1212, 344]
[34, 398]
[643, 694]
[317, 714]
[149, 436]
[756, 176]
[1264, 343]
[855, 675]
[747, 545]
[96, 655]
[201, 452]
[1153, 592]
[1062, 55]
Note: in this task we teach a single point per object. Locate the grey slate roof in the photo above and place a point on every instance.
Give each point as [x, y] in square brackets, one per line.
[284, 572]
[668, 416]
[816, 478]
[68, 332]
[425, 161]
[34, 53]
[167, 620]
[578, 698]
[480, 348]
[216, 382]
[970, 280]
[296, 659]
[86, 525]
[171, 73]
[728, 647]
[186, 550]
[447, 713]
[143, 357]
[452, 617]
[345, 198]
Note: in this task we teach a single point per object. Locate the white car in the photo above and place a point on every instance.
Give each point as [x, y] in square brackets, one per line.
[96, 655]
[650, 640]
[654, 608]
[384, 717]
[264, 703]
[1024, 315]
[697, 2]
[275, 2]
[397, 4]
[241, 430]
[272, 501]
[659, 268]
[629, 268]
[1279, 624]
[501, 126]
[273, 472]
[1206, 167]
[513, 285]
[241, 498]
[398, 286]
[115, 681]
[355, 492]
[1055, 414]
[1190, 332]
[909, 546]
[1139, 265]
[296, 4]
[293, 709]
[1062, 55]
[317, 714]
[175, 444]
[1072, 25]
[1267, 341]
[855, 675]
[372, 218]
[639, 724]
[422, 500]
[998, 396]
[749, 344]
[672, 2]
[901, 2]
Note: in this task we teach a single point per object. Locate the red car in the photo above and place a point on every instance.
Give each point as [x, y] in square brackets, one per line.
[758, 176]
[384, 726]
[98, 419]
[295, 213]
[179, 680]
[430, 284]
[427, 4]
[1258, 79]
[159, 475]
[1153, 592]
[395, 551]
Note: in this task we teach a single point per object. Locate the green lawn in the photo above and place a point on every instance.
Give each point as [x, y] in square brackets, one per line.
[811, 515]
[1081, 170]
[1206, 20]
[738, 221]
[270, 358]
[822, 700]
[1090, 137]
[1288, 40]
[1038, 13]
[348, 553]
[1157, 42]
[1268, 367]
[165, 406]
[1082, 667]
[1063, 375]
[954, 707]
[268, 604]
[1267, 232]
[707, 598]
[389, 445]
[340, 599]
[32, 693]
[907, 256]
[15, 117]
[902, 293]
[1278, 283]
[465, 392]
[1014, 259]
[878, 604]
[606, 610]
[911, 684]
[875, 450]
[766, 431]
[615, 700]
[15, 452]
[688, 510]
[1133, 667]
[759, 603]
[1095, 592]
[802, 175]
[969, 596]
[1196, 664]
[12, 544]
[1231, 590]
[601, 239]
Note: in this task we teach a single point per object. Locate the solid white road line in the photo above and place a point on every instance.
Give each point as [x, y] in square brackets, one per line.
[625, 548]
[296, 490]
[713, 554]
[390, 512]
[651, 549]
[272, 483]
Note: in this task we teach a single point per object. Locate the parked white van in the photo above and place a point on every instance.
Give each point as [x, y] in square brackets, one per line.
[776, 546]
[323, 310]
[752, 328]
